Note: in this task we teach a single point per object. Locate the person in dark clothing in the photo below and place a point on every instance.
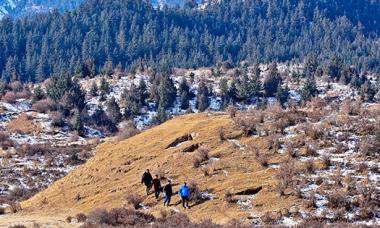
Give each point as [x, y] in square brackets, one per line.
[168, 193]
[184, 193]
[156, 186]
[147, 180]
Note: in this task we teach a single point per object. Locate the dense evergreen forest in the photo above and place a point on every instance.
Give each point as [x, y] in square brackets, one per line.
[102, 34]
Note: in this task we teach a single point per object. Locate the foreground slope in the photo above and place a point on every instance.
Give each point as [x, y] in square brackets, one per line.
[115, 170]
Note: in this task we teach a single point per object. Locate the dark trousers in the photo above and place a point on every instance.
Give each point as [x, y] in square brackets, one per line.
[156, 193]
[167, 199]
[148, 187]
[185, 201]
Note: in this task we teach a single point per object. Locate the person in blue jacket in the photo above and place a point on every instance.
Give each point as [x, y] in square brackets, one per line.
[184, 193]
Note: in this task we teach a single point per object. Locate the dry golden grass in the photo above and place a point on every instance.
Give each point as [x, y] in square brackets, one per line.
[116, 170]
[23, 124]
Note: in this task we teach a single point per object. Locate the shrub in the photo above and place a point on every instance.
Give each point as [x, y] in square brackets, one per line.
[57, 119]
[14, 207]
[262, 158]
[231, 110]
[45, 105]
[337, 199]
[221, 134]
[201, 156]
[9, 97]
[127, 131]
[2, 211]
[135, 200]
[285, 176]
[119, 217]
[5, 141]
[18, 226]
[196, 195]
[228, 197]
[81, 217]
[69, 219]
[326, 161]
[309, 166]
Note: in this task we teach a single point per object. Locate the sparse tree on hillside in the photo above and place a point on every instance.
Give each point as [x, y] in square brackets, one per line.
[131, 100]
[166, 91]
[162, 115]
[202, 96]
[77, 124]
[224, 93]
[38, 94]
[184, 91]
[282, 94]
[94, 89]
[272, 80]
[113, 110]
[367, 91]
[309, 90]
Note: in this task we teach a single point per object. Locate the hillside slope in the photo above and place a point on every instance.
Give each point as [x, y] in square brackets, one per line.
[115, 171]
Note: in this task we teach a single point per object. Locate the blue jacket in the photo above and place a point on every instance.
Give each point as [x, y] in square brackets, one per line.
[184, 191]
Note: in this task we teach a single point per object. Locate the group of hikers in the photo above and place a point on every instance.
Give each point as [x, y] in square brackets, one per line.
[149, 182]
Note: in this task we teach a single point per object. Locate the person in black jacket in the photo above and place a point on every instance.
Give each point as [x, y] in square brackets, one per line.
[147, 180]
[168, 190]
[156, 186]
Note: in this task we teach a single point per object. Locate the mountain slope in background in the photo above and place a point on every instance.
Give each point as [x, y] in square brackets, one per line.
[17, 8]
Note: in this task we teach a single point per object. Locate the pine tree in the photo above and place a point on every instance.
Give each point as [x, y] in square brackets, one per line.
[38, 94]
[282, 94]
[162, 115]
[167, 92]
[77, 124]
[3, 86]
[113, 110]
[272, 80]
[367, 91]
[94, 89]
[244, 88]
[309, 90]
[256, 82]
[184, 91]
[142, 93]
[224, 93]
[202, 102]
[132, 100]
[104, 86]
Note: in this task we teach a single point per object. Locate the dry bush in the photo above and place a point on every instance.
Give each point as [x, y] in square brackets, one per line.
[231, 110]
[57, 119]
[118, 217]
[45, 105]
[33, 149]
[128, 130]
[14, 207]
[361, 167]
[350, 107]
[262, 158]
[17, 226]
[337, 199]
[81, 217]
[229, 197]
[9, 97]
[2, 211]
[369, 147]
[200, 156]
[271, 218]
[285, 176]
[25, 94]
[326, 161]
[69, 219]
[274, 111]
[134, 199]
[196, 195]
[317, 103]
[5, 141]
[309, 166]
[221, 134]
[314, 132]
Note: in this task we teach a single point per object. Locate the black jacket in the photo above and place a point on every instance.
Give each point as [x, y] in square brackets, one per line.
[157, 184]
[147, 179]
[168, 190]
